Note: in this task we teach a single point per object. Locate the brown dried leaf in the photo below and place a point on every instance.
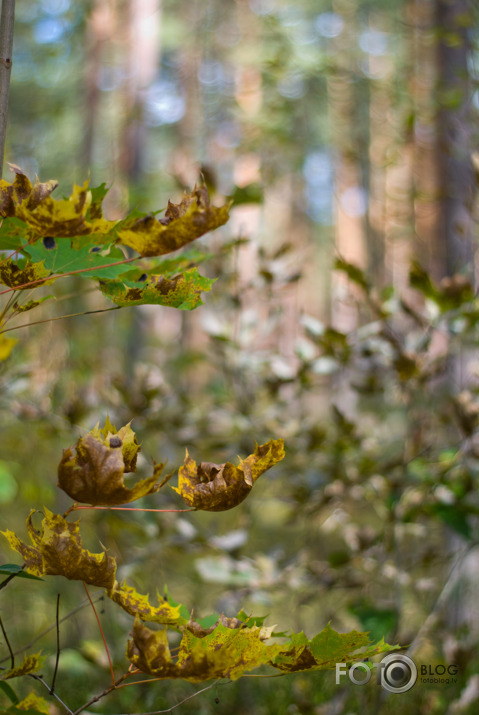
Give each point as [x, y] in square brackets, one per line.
[94, 474]
[217, 487]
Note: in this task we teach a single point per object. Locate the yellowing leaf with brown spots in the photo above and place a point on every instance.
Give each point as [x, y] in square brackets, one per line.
[57, 551]
[30, 664]
[181, 291]
[17, 273]
[136, 604]
[21, 191]
[64, 217]
[223, 653]
[93, 471]
[183, 223]
[217, 487]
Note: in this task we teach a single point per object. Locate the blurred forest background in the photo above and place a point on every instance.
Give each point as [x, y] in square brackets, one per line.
[346, 131]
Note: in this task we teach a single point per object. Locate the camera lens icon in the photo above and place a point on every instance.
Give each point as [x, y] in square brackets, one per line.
[398, 673]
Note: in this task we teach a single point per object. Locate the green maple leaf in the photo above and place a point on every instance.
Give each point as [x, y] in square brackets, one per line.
[63, 257]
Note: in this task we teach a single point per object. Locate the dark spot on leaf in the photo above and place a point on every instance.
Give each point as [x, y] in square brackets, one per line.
[143, 277]
[49, 242]
[115, 442]
[95, 249]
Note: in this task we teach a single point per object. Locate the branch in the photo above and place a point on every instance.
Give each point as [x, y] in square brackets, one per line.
[6, 46]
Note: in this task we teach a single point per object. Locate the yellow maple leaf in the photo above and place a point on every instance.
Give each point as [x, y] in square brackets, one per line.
[183, 223]
[217, 487]
[57, 551]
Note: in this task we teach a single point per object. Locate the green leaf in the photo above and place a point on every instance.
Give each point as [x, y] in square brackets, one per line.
[9, 692]
[12, 234]
[454, 517]
[9, 569]
[182, 291]
[64, 258]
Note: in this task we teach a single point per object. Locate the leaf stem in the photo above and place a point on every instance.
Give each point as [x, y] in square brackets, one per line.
[125, 508]
[12, 655]
[57, 660]
[6, 46]
[102, 635]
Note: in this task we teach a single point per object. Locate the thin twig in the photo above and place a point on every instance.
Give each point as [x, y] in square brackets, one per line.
[60, 317]
[126, 508]
[96, 698]
[52, 276]
[12, 655]
[102, 635]
[96, 597]
[6, 47]
[45, 684]
[190, 697]
[57, 624]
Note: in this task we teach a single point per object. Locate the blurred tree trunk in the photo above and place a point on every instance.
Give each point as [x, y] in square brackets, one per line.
[140, 56]
[453, 121]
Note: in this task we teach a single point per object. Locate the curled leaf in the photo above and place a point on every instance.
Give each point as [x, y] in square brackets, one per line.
[21, 191]
[136, 604]
[57, 551]
[217, 487]
[93, 471]
[223, 653]
[182, 223]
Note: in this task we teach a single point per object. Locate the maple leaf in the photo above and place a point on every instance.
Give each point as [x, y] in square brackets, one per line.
[222, 653]
[32, 703]
[93, 471]
[21, 192]
[326, 649]
[64, 217]
[30, 664]
[183, 223]
[182, 291]
[57, 551]
[217, 487]
[18, 273]
[136, 604]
